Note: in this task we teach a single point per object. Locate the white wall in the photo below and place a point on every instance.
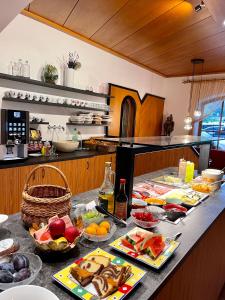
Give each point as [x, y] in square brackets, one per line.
[28, 39]
[177, 101]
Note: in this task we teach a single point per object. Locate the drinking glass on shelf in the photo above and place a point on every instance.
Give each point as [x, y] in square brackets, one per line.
[15, 69]
[26, 69]
[20, 67]
[10, 68]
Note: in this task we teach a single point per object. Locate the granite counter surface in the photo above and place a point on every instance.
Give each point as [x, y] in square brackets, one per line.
[193, 227]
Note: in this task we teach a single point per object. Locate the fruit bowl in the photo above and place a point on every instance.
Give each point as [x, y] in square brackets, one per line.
[35, 265]
[144, 219]
[59, 235]
[100, 237]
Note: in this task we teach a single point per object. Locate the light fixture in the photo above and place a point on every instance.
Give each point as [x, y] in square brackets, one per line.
[197, 113]
[224, 23]
[187, 127]
[199, 6]
[187, 120]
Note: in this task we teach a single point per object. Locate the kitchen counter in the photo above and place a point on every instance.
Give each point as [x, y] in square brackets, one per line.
[45, 159]
[195, 228]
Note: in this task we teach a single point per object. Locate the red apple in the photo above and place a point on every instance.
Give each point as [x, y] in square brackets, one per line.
[71, 233]
[57, 228]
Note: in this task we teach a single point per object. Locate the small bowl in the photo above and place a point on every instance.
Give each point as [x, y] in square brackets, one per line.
[101, 238]
[28, 292]
[3, 219]
[35, 267]
[144, 224]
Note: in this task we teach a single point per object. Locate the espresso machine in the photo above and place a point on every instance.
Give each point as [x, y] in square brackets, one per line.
[14, 135]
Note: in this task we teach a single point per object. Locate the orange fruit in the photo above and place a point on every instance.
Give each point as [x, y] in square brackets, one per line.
[105, 224]
[101, 230]
[93, 225]
[90, 230]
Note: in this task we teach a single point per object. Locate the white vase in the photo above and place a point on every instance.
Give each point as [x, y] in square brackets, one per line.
[69, 77]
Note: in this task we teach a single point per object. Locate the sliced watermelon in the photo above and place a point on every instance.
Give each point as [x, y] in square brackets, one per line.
[155, 246]
[127, 244]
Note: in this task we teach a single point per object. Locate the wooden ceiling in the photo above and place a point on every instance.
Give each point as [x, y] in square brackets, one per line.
[160, 35]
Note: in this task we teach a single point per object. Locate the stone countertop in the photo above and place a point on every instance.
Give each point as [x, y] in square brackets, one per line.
[192, 227]
[79, 154]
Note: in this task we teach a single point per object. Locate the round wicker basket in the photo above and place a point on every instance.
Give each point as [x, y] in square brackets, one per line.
[41, 202]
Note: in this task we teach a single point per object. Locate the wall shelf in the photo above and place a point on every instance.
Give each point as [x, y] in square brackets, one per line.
[52, 104]
[39, 123]
[78, 124]
[51, 86]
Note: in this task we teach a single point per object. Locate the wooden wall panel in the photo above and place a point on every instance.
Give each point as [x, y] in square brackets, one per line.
[149, 112]
[119, 93]
[201, 275]
[151, 118]
[153, 161]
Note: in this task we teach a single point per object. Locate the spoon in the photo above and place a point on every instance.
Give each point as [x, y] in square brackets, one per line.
[105, 212]
[173, 237]
[215, 182]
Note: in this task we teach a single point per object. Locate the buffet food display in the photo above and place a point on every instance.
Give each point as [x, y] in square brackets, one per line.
[100, 274]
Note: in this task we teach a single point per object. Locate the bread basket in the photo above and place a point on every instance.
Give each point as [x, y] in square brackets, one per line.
[41, 202]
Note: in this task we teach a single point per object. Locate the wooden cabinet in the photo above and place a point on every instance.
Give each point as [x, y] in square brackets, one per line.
[82, 175]
[152, 161]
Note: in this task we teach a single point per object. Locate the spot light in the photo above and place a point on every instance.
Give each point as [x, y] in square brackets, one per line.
[199, 6]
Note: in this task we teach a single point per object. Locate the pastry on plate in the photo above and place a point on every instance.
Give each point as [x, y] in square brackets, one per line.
[104, 286]
[100, 259]
[91, 266]
[83, 276]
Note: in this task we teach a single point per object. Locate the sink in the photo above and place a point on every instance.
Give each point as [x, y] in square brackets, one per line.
[65, 146]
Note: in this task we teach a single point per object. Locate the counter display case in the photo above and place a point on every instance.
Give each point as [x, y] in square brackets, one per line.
[129, 147]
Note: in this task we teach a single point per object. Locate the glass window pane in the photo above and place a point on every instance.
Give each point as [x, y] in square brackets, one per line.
[222, 131]
[211, 123]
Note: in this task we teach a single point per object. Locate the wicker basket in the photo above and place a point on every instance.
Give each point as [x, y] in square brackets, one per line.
[41, 202]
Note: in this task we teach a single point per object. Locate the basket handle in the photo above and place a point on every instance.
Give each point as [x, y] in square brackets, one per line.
[32, 173]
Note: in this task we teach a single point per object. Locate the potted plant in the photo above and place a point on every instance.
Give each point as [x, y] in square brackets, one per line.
[71, 64]
[50, 74]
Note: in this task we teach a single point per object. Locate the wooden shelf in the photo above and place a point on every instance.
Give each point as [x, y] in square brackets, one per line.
[51, 86]
[78, 124]
[51, 104]
[39, 123]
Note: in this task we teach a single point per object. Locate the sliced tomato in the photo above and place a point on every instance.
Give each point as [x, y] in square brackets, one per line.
[127, 244]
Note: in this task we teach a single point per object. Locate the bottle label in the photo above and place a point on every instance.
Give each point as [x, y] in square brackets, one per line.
[103, 203]
[121, 210]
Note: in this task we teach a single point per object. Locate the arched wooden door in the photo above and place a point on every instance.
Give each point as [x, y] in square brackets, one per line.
[127, 117]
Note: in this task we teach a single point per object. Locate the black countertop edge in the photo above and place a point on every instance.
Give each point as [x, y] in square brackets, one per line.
[79, 154]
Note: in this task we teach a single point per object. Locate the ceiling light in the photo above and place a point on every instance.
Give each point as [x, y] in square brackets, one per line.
[224, 23]
[199, 6]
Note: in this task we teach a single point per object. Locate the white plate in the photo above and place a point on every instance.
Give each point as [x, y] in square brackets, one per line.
[28, 292]
[35, 154]
[3, 218]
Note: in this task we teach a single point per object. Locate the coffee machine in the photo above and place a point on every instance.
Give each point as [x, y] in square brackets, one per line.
[14, 134]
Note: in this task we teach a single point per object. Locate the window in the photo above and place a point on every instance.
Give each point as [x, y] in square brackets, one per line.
[213, 125]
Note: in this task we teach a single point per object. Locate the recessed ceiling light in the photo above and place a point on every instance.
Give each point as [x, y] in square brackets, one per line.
[199, 6]
[224, 23]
